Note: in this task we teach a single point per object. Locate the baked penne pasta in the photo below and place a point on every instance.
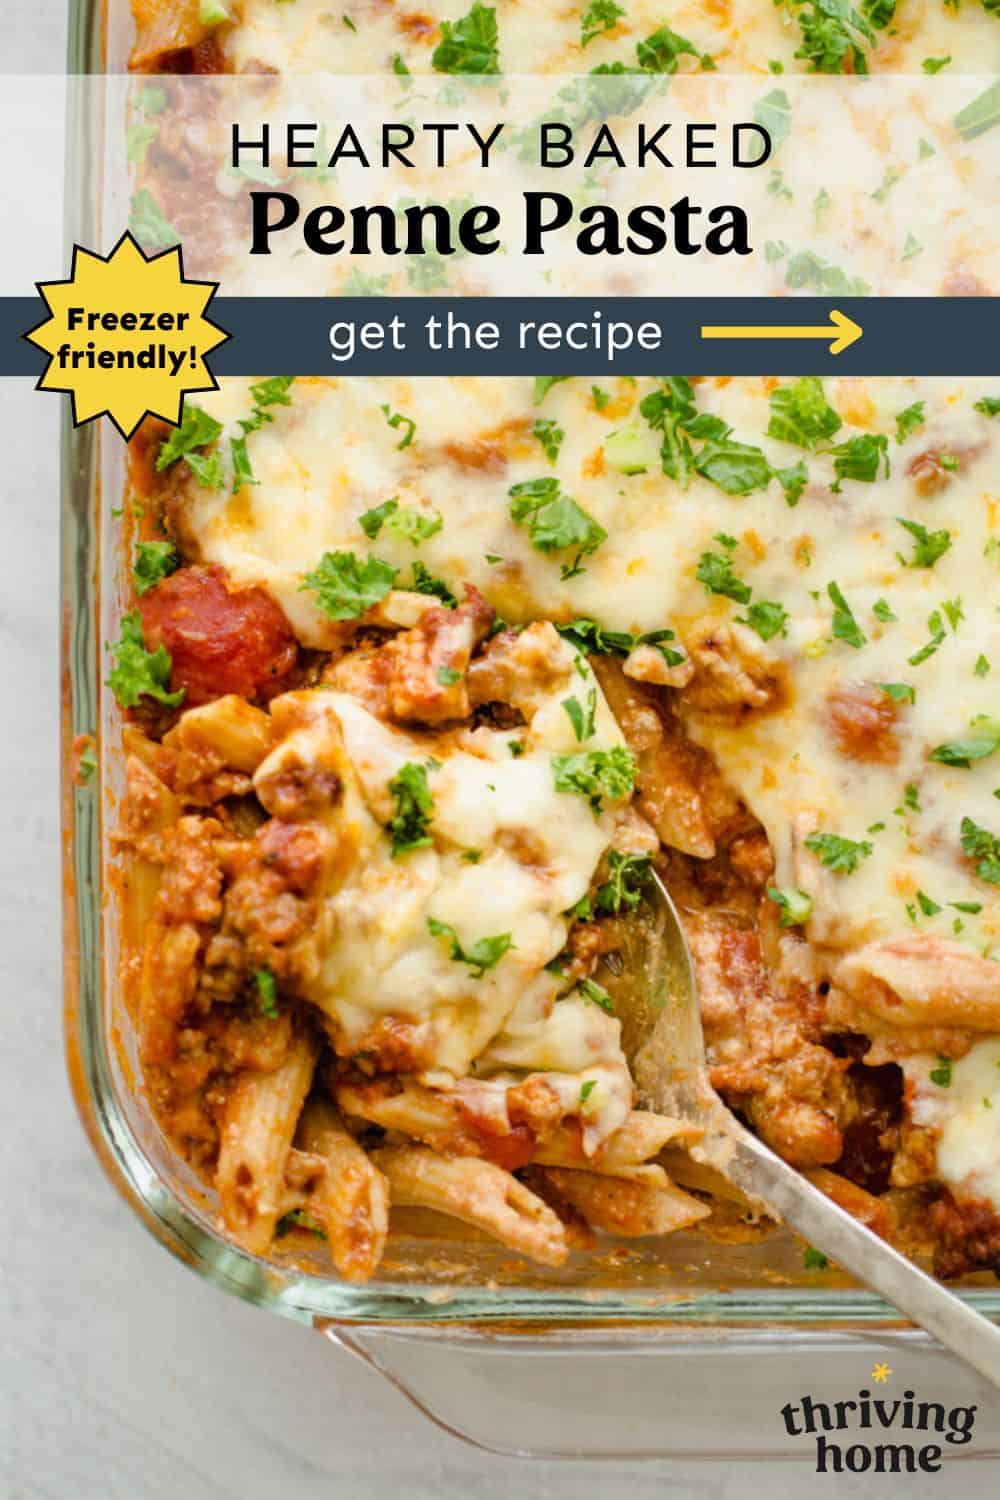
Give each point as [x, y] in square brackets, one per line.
[260, 1120]
[351, 1199]
[477, 1192]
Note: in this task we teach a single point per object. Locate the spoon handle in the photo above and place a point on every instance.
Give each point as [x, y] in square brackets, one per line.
[755, 1169]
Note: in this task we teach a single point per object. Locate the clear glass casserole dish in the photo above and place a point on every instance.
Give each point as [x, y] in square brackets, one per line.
[516, 1358]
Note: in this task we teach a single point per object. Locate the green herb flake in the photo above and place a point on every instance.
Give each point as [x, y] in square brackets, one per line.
[484, 954]
[941, 1074]
[596, 994]
[396, 420]
[154, 561]
[139, 673]
[929, 545]
[845, 626]
[345, 587]
[596, 774]
[795, 905]
[414, 806]
[469, 45]
[841, 855]
[267, 993]
[550, 435]
[627, 875]
[908, 420]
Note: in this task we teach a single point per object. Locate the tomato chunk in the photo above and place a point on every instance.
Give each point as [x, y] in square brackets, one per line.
[221, 638]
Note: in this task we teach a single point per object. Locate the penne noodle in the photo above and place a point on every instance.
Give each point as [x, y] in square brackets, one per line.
[260, 1118]
[642, 1136]
[351, 1199]
[478, 1193]
[228, 727]
[638, 1201]
[166, 986]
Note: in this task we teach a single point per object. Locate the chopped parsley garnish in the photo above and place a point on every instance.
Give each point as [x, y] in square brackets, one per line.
[980, 844]
[469, 45]
[550, 435]
[936, 628]
[484, 954]
[800, 414]
[832, 35]
[139, 673]
[795, 905]
[345, 587]
[930, 545]
[662, 50]
[582, 718]
[774, 112]
[372, 521]
[860, 458]
[845, 626]
[899, 692]
[298, 1218]
[586, 1089]
[908, 420]
[814, 1260]
[627, 874]
[265, 393]
[929, 907]
[589, 636]
[555, 522]
[793, 481]
[396, 420]
[544, 384]
[516, 748]
[601, 398]
[413, 526]
[980, 743]
[596, 994]
[838, 854]
[448, 676]
[414, 806]
[196, 431]
[935, 64]
[767, 618]
[941, 1074]
[736, 468]
[267, 993]
[148, 224]
[989, 406]
[596, 774]
[882, 610]
[600, 16]
[982, 667]
[424, 582]
[716, 572]
[911, 248]
[154, 561]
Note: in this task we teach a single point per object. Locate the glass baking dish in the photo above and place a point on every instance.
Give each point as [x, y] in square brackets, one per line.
[682, 1347]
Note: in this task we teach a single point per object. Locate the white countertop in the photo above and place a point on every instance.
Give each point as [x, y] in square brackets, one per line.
[122, 1375]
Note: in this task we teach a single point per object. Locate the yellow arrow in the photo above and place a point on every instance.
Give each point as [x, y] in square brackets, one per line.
[841, 330]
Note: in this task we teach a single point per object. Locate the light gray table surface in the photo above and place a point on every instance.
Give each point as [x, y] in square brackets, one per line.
[123, 1376]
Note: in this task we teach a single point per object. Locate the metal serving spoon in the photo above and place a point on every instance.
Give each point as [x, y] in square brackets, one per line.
[656, 996]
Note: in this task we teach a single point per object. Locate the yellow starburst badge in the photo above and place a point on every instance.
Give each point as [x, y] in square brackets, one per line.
[881, 1373]
[127, 334]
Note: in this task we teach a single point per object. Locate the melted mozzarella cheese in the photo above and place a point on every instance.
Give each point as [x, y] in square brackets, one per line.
[535, 851]
[331, 456]
[966, 1116]
[536, 37]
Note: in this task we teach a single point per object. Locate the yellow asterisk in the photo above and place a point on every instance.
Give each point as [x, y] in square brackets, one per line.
[881, 1373]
